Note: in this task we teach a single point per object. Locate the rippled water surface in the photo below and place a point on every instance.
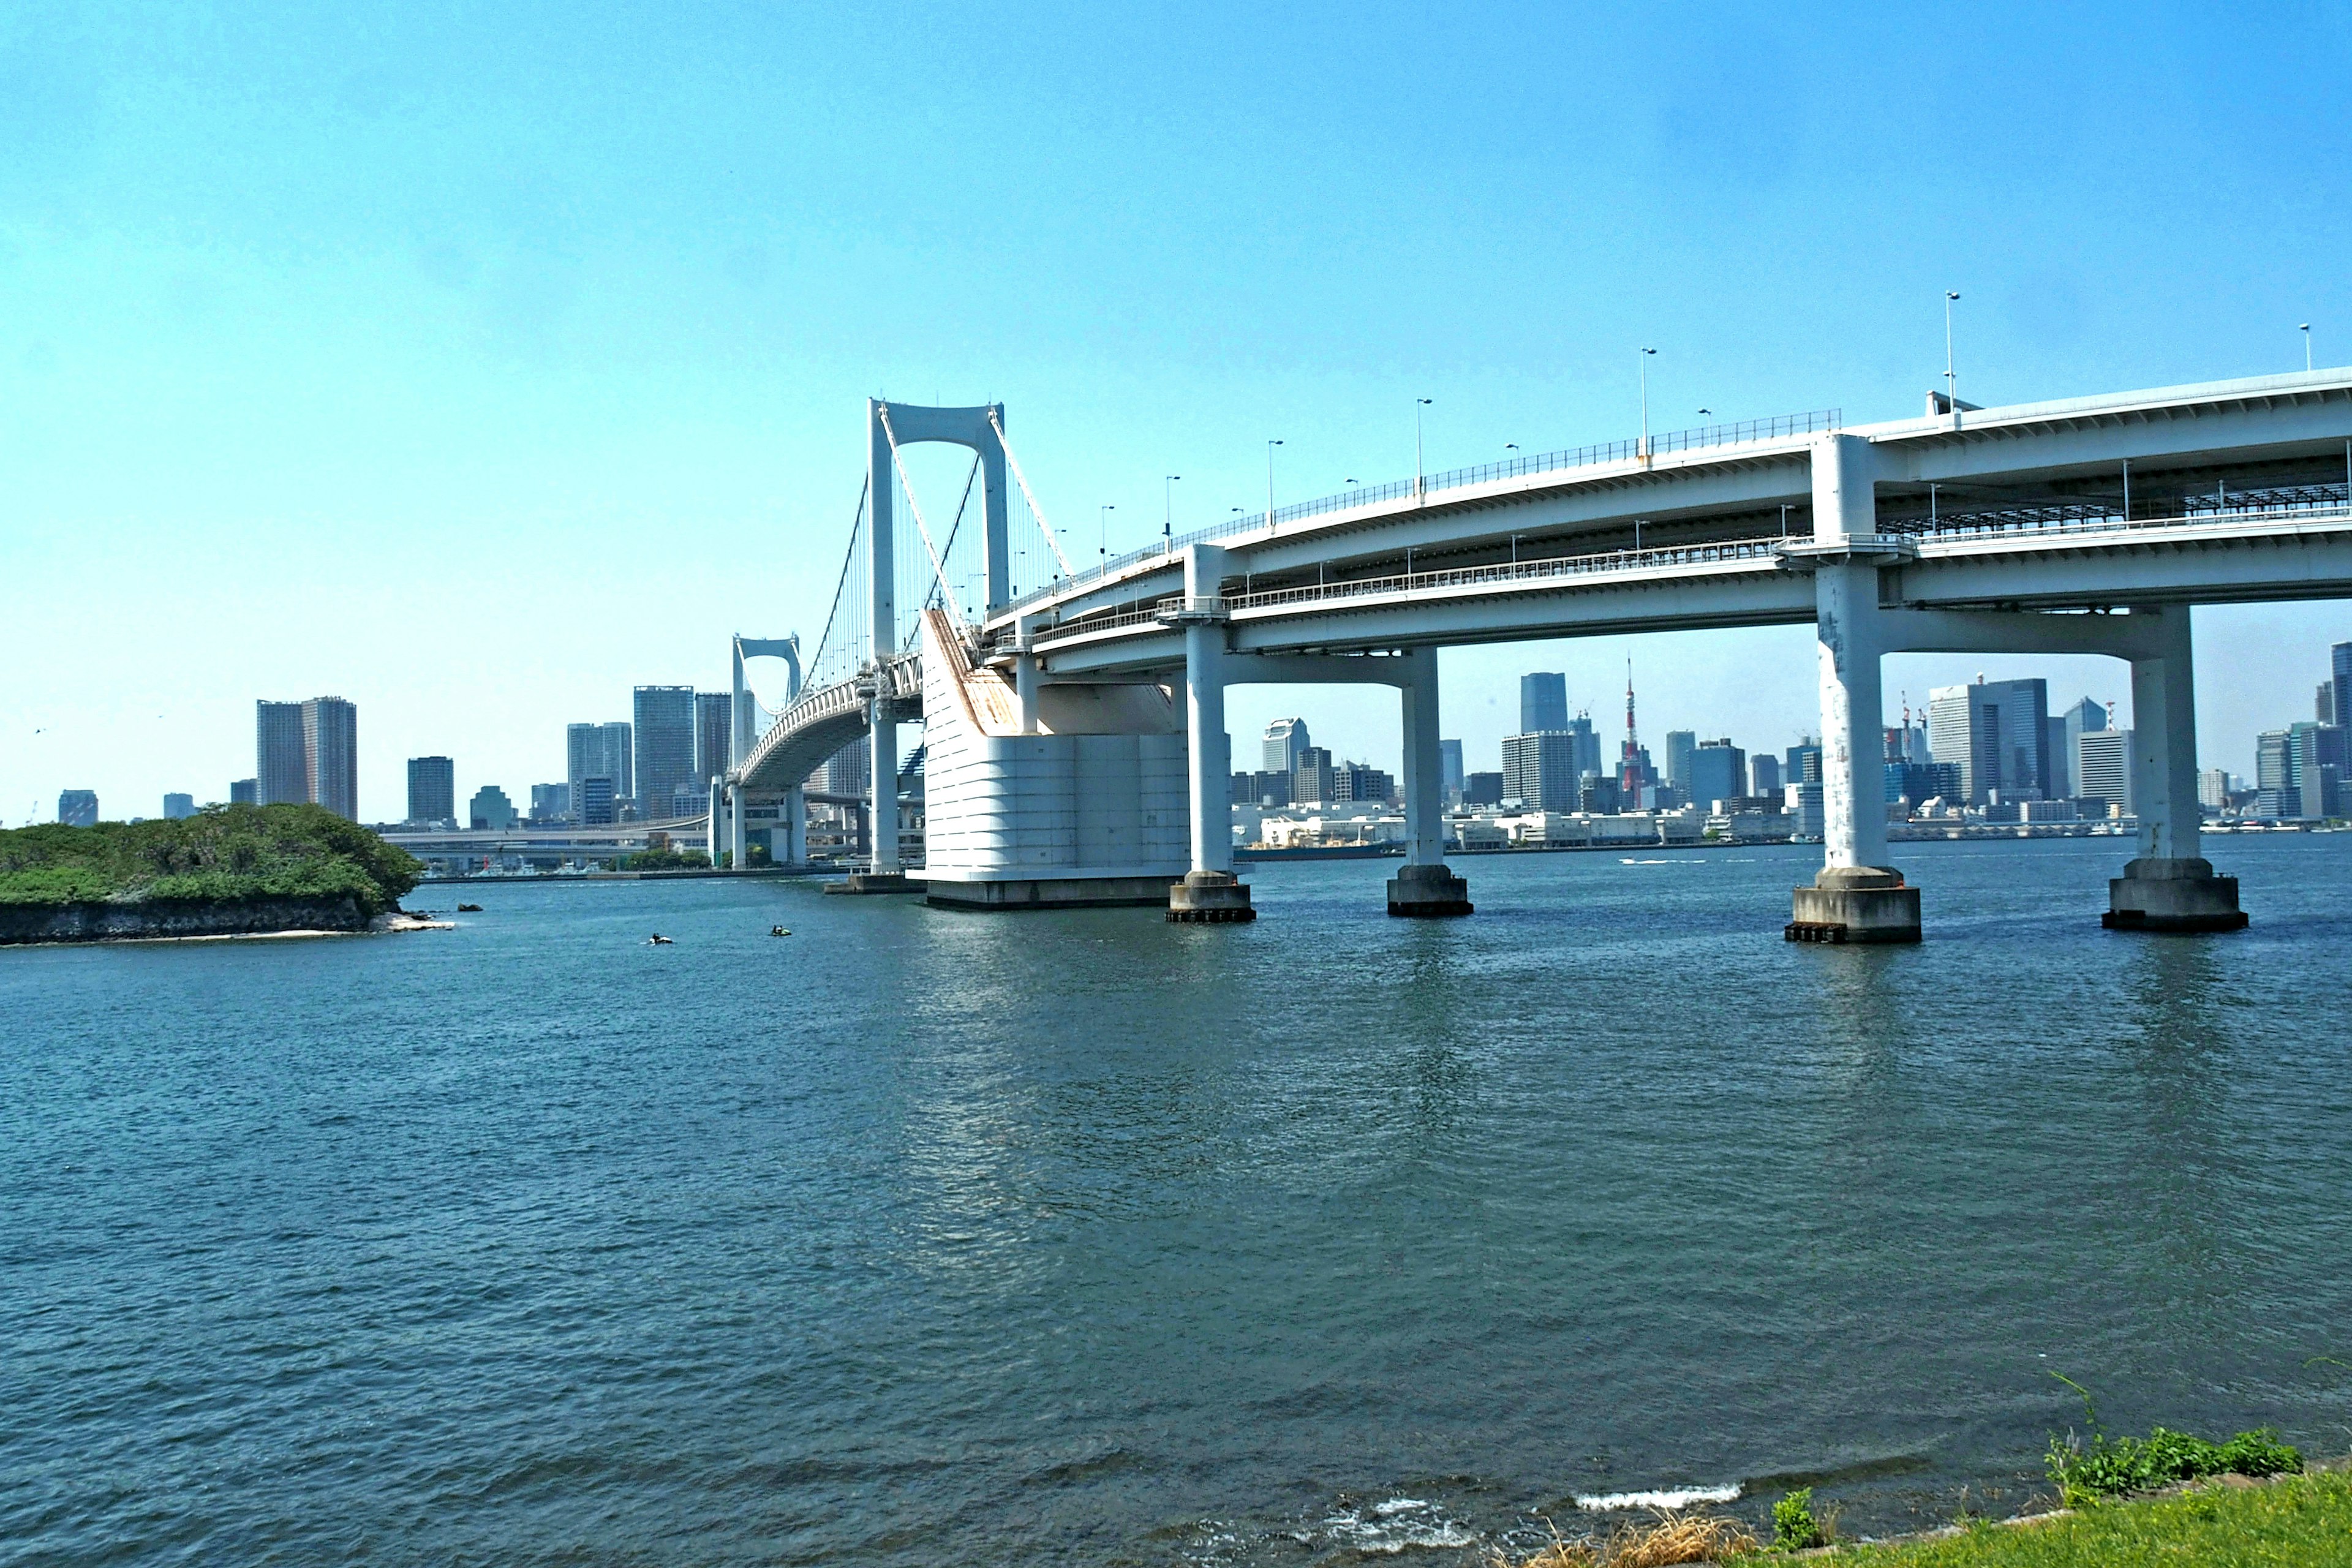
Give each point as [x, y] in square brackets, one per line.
[1088, 1240]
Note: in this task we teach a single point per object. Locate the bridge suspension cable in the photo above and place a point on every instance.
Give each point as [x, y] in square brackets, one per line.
[939, 567]
[956, 527]
[818, 672]
[1030, 495]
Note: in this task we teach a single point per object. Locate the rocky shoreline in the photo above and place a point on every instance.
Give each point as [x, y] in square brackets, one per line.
[139, 921]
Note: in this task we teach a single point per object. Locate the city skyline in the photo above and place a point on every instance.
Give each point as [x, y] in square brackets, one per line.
[253, 311]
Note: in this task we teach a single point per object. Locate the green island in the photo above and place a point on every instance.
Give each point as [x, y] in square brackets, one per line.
[227, 870]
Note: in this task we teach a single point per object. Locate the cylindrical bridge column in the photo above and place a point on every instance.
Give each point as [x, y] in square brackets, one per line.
[795, 825]
[1210, 893]
[885, 809]
[737, 840]
[714, 831]
[2170, 886]
[1857, 897]
[1424, 886]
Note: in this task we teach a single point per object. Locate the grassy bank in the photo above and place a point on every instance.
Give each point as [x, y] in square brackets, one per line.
[2291, 1521]
[221, 856]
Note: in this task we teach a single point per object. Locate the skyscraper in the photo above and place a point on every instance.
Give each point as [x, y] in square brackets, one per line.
[550, 802]
[77, 807]
[1764, 775]
[178, 807]
[245, 792]
[2340, 659]
[279, 774]
[1449, 767]
[1680, 744]
[331, 761]
[2103, 769]
[1718, 770]
[664, 716]
[714, 735]
[1311, 779]
[432, 789]
[1586, 744]
[2274, 791]
[2316, 754]
[1998, 733]
[596, 751]
[1285, 740]
[592, 800]
[1543, 702]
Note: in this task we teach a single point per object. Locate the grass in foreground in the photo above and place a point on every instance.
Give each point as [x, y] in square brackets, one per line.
[2297, 1521]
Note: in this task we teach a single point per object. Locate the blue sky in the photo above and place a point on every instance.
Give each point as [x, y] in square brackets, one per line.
[477, 362]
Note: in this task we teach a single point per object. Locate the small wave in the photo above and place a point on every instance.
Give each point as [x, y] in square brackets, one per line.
[1623, 862]
[1675, 1498]
[1400, 1524]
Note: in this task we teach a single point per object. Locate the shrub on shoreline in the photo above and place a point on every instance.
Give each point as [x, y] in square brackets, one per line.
[224, 853]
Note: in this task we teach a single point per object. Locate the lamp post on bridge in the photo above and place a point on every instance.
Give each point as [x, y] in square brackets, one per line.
[1102, 518]
[2306, 329]
[1418, 404]
[1951, 382]
[1643, 363]
[1270, 445]
[1168, 511]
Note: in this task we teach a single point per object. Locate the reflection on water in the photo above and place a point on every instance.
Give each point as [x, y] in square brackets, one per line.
[1088, 1240]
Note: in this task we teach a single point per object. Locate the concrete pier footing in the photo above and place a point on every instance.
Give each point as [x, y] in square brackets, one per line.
[2172, 896]
[1856, 903]
[1209, 898]
[877, 882]
[1048, 893]
[1433, 889]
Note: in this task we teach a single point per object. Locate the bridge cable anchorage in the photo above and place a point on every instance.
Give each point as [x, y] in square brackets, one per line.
[1037, 511]
[848, 558]
[957, 526]
[939, 567]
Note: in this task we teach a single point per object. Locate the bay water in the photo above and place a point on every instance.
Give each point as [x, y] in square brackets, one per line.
[1084, 1238]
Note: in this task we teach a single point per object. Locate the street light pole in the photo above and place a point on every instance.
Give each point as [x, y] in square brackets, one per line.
[1951, 382]
[1418, 404]
[1270, 445]
[1168, 507]
[2307, 347]
[1645, 363]
[1103, 519]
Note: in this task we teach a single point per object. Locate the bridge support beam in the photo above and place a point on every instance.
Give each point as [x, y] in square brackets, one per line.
[2170, 886]
[1210, 893]
[1857, 897]
[1425, 885]
[714, 831]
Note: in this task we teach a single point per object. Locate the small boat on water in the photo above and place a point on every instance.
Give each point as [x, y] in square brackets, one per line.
[469, 908]
[658, 940]
[780, 930]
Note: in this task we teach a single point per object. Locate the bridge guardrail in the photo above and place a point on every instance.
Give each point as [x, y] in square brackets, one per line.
[1997, 524]
[1546, 570]
[1820, 420]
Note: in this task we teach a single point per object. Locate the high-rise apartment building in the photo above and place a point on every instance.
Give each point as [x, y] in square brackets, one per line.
[663, 717]
[2103, 768]
[179, 807]
[2317, 758]
[714, 735]
[1285, 740]
[2339, 659]
[432, 789]
[1361, 782]
[1543, 702]
[849, 770]
[2323, 707]
[594, 801]
[1584, 745]
[1718, 770]
[331, 754]
[77, 807]
[2214, 789]
[278, 767]
[1539, 770]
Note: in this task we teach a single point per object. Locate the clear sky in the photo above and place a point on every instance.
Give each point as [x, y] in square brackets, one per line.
[477, 362]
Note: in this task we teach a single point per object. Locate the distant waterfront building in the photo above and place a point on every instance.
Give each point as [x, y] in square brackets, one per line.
[593, 751]
[1543, 702]
[1262, 788]
[77, 807]
[277, 754]
[1279, 749]
[1449, 769]
[1805, 808]
[847, 772]
[491, 809]
[2274, 791]
[1311, 779]
[1481, 789]
[1681, 745]
[1764, 776]
[2317, 755]
[663, 717]
[1717, 770]
[1997, 732]
[714, 735]
[2340, 688]
[432, 789]
[1361, 782]
[245, 792]
[179, 807]
[2324, 704]
[1587, 745]
[1802, 764]
[550, 802]
[2103, 769]
[1539, 770]
[594, 802]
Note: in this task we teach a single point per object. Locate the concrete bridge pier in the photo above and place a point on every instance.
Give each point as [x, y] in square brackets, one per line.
[1425, 885]
[884, 873]
[2170, 886]
[1209, 892]
[795, 827]
[1857, 897]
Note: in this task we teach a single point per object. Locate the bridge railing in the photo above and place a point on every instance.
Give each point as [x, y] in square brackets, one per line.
[1730, 434]
[2314, 503]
